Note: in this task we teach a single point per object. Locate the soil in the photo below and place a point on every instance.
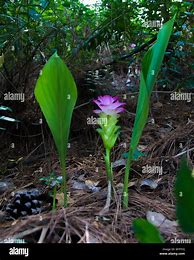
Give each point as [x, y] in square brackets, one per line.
[28, 154]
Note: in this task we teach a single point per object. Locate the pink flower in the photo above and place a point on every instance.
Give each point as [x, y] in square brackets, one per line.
[108, 105]
[132, 46]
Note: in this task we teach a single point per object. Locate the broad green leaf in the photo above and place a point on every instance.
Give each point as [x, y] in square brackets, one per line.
[56, 94]
[184, 191]
[145, 232]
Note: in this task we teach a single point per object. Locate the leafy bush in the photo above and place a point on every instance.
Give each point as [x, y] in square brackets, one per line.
[31, 30]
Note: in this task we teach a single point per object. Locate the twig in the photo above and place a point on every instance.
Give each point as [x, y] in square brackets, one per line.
[24, 187]
[43, 234]
[87, 235]
[83, 104]
[179, 154]
[27, 232]
[108, 201]
[32, 151]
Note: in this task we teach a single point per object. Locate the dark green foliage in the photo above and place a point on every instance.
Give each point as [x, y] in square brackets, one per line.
[184, 190]
[145, 232]
[137, 154]
[32, 30]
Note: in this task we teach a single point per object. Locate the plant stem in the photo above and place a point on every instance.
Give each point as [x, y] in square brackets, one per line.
[108, 165]
[108, 200]
[54, 197]
[64, 185]
[126, 179]
[110, 179]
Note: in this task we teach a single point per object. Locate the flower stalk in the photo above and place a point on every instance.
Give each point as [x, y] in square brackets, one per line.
[108, 166]
[109, 111]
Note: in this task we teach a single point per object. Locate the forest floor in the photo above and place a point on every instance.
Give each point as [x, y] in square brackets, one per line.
[168, 134]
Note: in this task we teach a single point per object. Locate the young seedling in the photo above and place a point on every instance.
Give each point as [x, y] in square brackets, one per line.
[53, 182]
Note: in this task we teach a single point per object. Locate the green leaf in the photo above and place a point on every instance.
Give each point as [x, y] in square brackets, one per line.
[137, 154]
[150, 67]
[141, 114]
[189, 84]
[145, 232]
[184, 191]
[109, 131]
[56, 94]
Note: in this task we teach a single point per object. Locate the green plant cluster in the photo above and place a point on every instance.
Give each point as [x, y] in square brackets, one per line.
[56, 94]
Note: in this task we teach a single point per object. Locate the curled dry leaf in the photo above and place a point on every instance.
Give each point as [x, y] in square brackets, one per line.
[5, 186]
[92, 185]
[118, 163]
[165, 225]
[88, 185]
[152, 184]
[79, 185]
